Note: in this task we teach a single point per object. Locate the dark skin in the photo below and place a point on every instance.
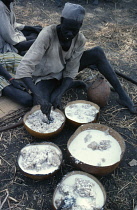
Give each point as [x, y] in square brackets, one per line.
[66, 31]
[96, 56]
[30, 32]
[7, 3]
[17, 90]
[48, 93]
[54, 90]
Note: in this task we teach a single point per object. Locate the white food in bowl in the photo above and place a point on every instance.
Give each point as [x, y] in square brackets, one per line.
[96, 148]
[39, 159]
[86, 192]
[81, 112]
[35, 121]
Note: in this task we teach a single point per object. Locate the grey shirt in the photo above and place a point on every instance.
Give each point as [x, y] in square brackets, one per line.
[10, 33]
[46, 59]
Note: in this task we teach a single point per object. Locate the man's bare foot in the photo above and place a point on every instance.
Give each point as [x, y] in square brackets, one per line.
[129, 104]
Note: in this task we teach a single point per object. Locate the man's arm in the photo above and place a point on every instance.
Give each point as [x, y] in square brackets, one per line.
[7, 31]
[67, 83]
[58, 93]
[17, 84]
[45, 105]
[35, 29]
[4, 73]
[27, 67]
[69, 73]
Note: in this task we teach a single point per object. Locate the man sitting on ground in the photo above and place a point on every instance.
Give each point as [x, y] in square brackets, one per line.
[52, 62]
[14, 37]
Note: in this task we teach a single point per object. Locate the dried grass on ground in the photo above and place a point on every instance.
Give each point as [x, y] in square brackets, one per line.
[112, 25]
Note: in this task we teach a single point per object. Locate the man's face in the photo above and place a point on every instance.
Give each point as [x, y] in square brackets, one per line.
[69, 29]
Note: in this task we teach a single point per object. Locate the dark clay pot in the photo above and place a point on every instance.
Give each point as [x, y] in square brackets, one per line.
[98, 92]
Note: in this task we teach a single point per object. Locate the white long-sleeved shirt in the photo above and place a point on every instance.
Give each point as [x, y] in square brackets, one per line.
[47, 60]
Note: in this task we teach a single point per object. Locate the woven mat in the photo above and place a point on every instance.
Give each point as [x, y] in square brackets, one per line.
[10, 111]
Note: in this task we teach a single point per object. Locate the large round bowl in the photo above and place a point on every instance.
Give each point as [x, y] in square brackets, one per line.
[91, 168]
[42, 173]
[69, 179]
[38, 134]
[75, 123]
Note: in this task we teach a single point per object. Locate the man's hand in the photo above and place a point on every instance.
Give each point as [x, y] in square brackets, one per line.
[19, 84]
[45, 106]
[58, 93]
[57, 102]
[56, 98]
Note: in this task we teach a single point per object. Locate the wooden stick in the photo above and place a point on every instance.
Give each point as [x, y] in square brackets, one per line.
[4, 128]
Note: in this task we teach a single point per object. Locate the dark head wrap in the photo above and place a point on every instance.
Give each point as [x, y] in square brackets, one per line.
[73, 12]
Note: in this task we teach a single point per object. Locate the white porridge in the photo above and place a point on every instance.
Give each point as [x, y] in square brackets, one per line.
[37, 121]
[81, 112]
[94, 147]
[87, 193]
[39, 159]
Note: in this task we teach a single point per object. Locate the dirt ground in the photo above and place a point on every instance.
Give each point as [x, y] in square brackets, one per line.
[113, 26]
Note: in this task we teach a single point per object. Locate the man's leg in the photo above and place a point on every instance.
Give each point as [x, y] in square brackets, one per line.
[46, 87]
[24, 46]
[29, 35]
[96, 56]
[31, 30]
[17, 95]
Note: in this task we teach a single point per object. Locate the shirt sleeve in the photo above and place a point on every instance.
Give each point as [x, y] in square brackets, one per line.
[7, 31]
[72, 65]
[19, 26]
[33, 55]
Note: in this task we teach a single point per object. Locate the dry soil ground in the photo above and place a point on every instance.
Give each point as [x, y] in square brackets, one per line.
[113, 26]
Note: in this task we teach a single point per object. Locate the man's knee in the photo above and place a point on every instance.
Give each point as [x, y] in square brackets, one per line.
[21, 97]
[6, 91]
[99, 54]
[95, 52]
[99, 51]
[26, 101]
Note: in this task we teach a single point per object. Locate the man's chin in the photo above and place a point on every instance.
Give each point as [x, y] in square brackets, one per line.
[68, 38]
